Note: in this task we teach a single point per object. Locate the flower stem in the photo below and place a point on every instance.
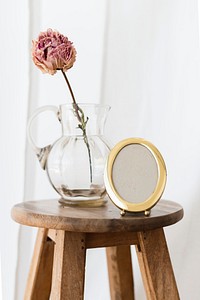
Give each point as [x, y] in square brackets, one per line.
[72, 94]
[81, 118]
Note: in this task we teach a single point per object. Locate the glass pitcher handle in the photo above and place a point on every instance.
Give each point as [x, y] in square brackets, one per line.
[42, 153]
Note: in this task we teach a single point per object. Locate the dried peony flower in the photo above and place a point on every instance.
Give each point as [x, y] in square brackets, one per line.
[53, 51]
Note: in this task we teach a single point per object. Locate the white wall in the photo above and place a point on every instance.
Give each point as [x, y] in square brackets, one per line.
[14, 82]
[141, 57]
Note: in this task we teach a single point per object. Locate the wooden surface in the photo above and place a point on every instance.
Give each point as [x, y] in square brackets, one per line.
[69, 266]
[155, 265]
[41, 268]
[120, 273]
[65, 233]
[50, 214]
[109, 239]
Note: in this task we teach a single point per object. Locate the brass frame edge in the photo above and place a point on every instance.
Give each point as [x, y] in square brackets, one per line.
[161, 182]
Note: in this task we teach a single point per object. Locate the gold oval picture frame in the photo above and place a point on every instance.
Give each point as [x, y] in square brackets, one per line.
[135, 175]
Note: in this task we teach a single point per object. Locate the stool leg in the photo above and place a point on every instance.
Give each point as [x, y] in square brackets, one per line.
[69, 266]
[39, 279]
[155, 265]
[120, 272]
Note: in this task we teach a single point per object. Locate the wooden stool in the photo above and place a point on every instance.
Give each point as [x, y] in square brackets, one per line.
[58, 263]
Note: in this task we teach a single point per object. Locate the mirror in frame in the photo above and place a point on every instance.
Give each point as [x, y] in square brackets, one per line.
[135, 175]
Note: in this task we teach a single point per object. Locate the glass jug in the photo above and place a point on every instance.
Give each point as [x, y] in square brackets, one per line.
[75, 163]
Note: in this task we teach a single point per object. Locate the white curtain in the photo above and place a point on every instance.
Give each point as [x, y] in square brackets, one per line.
[142, 58]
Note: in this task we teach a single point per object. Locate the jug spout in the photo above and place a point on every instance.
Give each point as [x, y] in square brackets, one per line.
[42, 155]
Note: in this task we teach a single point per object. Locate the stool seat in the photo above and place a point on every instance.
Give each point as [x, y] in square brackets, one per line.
[57, 269]
[51, 214]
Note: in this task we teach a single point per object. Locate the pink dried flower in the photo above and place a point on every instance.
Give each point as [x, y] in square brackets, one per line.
[53, 51]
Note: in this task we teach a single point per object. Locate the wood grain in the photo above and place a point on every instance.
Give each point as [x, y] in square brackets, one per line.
[120, 273]
[67, 232]
[156, 267]
[108, 239]
[69, 266]
[50, 214]
[39, 279]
